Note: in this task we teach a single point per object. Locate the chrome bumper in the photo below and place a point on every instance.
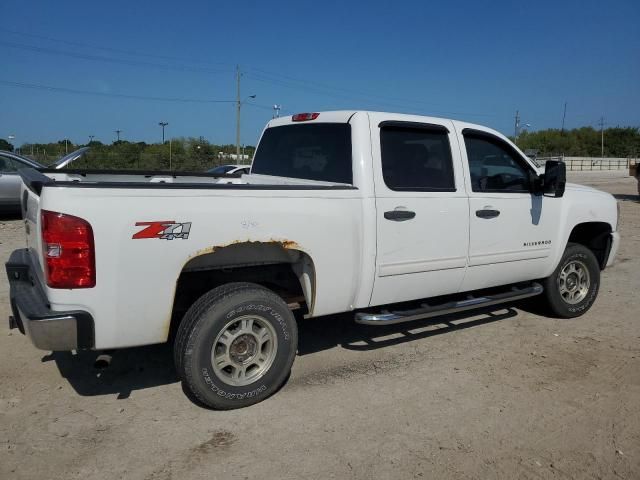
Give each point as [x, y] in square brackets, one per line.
[47, 329]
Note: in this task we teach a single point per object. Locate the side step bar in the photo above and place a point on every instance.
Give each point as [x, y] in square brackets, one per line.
[427, 311]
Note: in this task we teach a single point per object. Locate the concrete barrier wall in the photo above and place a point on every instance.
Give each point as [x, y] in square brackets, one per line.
[591, 163]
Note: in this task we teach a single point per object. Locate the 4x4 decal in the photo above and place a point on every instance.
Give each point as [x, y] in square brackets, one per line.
[165, 230]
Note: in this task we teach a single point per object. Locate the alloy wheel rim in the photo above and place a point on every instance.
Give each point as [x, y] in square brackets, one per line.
[574, 282]
[244, 350]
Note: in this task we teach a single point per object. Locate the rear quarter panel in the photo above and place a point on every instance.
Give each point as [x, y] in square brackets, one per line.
[136, 278]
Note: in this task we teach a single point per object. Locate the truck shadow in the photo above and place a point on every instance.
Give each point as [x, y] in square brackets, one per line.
[323, 333]
[4, 216]
[627, 197]
[139, 368]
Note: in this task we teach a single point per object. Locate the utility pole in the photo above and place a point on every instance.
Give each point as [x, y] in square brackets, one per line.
[276, 110]
[163, 124]
[517, 127]
[91, 137]
[118, 133]
[601, 137]
[564, 114]
[238, 103]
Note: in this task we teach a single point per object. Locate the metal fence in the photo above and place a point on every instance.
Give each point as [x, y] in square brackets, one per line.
[590, 163]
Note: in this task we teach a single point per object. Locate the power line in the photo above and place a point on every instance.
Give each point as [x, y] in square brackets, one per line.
[104, 94]
[265, 74]
[260, 75]
[107, 49]
[99, 58]
[378, 103]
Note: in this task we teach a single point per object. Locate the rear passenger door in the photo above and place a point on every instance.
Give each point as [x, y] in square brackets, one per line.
[421, 208]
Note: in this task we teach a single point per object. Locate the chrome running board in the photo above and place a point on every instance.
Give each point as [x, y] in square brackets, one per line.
[427, 311]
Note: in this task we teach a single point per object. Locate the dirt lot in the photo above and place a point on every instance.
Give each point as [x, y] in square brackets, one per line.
[502, 395]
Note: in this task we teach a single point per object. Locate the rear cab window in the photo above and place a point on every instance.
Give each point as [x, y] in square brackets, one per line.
[318, 151]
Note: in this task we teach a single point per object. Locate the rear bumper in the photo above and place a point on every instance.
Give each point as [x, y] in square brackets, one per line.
[32, 315]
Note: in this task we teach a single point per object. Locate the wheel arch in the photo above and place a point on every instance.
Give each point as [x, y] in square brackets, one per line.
[282, 266]
[596, 236]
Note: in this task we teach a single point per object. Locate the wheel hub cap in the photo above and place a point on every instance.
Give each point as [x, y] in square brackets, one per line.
[243, 348]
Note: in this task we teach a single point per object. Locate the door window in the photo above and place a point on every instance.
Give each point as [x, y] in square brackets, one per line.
[7, 165]
[494, 166]
[416, 158]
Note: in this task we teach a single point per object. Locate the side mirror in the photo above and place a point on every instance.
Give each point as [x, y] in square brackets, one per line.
[555, 178]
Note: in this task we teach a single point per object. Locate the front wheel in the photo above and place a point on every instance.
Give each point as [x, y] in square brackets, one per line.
[236, 345]
[572, 288]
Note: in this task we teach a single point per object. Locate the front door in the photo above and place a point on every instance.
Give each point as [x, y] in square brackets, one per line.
[511, 229]
[422, 210]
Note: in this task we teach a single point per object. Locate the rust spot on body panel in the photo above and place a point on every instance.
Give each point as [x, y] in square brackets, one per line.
[286, 244]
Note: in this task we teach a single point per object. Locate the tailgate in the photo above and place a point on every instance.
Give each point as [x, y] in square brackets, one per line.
[30, 200]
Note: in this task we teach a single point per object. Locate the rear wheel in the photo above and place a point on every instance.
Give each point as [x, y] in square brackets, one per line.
[236, 345]
[573, 287]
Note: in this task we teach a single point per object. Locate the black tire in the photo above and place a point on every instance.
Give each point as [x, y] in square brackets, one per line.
[558, 304]
[206, 322]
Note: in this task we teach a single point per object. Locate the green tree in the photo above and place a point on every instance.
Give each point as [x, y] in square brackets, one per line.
[4, 145]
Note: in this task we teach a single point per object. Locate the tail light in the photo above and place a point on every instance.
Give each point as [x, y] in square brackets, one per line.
[68, 250]
[304, 117]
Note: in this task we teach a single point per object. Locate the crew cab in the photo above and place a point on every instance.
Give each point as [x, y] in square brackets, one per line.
[393, 217]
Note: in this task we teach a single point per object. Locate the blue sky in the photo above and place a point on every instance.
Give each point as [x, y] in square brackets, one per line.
[467, 60]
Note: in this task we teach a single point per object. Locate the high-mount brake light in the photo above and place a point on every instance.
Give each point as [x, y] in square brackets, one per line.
[304, 117]
[68, 251]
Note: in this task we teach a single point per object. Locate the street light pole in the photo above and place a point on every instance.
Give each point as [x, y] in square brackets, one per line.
[163, 124]
[517, 128]
[601, 137]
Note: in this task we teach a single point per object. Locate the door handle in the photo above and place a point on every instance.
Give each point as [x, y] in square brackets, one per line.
[487, 213]
[399, 215]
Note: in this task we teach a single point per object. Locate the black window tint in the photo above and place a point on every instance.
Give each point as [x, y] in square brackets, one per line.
[494, 166]
[416, 159]
[320, 151]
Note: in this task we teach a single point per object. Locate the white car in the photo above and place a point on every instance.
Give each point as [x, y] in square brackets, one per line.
[230, 170]
[343, 211]
[10, 181]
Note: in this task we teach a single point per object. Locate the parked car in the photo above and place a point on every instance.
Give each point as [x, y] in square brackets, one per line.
[393, 217]
[230, 170]
[10, 181]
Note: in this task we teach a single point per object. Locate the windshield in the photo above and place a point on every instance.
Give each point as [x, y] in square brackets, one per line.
[319, 151]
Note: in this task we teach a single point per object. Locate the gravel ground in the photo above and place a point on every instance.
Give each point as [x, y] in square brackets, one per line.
[507, 394]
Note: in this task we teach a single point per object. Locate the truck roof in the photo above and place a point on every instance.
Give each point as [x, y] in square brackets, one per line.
[343, 116]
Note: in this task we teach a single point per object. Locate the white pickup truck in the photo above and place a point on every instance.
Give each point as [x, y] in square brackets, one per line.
[342, 211]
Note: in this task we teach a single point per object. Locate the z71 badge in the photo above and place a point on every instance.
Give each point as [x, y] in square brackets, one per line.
[165, 230]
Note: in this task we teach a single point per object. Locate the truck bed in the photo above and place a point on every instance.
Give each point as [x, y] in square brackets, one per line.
[36, 179]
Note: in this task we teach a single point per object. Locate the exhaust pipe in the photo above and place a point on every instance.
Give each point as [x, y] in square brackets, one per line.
[103, 361]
